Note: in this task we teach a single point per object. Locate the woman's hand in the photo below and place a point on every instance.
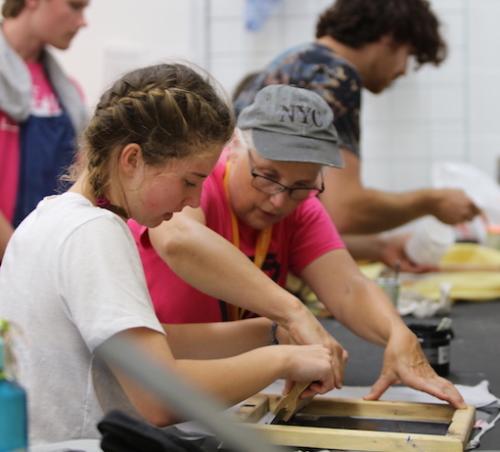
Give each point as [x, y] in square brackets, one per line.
[303, 329]
[405, 362]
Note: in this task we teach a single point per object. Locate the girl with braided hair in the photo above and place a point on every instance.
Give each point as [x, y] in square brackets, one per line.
[71, 277]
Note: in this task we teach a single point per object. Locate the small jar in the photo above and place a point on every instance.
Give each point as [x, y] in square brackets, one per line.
[435, 345]
[390, 285]
[493, 236]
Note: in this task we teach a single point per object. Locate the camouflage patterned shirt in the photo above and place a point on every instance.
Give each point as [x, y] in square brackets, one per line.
[316, 67]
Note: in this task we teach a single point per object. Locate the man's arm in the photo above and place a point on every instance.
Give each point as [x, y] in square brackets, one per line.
[356, 209]
[390, 250]
[6, 231]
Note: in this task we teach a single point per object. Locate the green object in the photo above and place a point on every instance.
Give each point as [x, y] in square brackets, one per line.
[4, 327]
[13, 406]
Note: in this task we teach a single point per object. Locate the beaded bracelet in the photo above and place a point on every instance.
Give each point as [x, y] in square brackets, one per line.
[274, 338]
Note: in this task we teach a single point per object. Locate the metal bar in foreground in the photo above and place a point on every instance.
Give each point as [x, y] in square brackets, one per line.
[183, 399]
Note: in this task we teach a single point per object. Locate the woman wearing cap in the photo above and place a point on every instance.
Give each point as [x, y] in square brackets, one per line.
[261, 197]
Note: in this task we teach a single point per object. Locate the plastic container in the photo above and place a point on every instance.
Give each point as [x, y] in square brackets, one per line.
[436, 346]
[429, 242]
[493, 236]
[13, 412]
[473, 231]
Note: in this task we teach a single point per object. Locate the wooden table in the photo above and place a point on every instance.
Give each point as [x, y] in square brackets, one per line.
[475, 353]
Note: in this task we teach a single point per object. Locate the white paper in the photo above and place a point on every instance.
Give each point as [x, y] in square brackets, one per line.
[477, 396]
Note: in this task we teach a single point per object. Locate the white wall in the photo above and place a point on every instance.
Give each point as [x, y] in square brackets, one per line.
[448, 113]
[434, 114]
[124, 34]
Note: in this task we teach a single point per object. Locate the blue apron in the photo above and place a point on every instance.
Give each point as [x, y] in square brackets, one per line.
[47, 146]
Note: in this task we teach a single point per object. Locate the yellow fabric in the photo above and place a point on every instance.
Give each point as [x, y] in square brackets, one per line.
[470, 253]
[465, 285]
[473, 286]
[304, 293]
[371, 270]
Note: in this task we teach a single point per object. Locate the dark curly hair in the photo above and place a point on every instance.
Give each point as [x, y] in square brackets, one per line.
[359, 22]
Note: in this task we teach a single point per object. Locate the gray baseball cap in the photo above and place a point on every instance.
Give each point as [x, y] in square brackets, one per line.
[292, 124]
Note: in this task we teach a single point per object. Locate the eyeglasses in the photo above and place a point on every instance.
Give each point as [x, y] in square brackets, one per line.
[272, 187]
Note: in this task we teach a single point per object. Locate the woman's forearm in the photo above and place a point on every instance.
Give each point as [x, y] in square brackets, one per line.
[379, 318]
[354, 301]
[214, 266]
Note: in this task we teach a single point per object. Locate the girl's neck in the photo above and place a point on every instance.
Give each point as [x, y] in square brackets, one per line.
[108, 200]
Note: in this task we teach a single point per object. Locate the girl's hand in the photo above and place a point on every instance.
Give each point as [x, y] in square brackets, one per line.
[304, 328]
[306, 363]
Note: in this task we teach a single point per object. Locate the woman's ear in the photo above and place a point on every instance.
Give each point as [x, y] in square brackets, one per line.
[236, 144]
[130, 159]
[235, 140]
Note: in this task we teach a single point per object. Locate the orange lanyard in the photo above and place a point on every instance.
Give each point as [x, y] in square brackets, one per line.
[263, 240]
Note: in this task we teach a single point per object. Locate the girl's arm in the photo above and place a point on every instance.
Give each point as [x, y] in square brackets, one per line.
[232, 379]
[221, 339]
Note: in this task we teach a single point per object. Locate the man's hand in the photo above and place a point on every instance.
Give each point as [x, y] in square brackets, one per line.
[452, 206]
[405, 362]
[393, 254]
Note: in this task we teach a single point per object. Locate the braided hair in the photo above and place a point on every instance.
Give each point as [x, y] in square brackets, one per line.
[169, 110]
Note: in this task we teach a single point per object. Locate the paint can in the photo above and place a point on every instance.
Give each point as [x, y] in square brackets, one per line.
[435, 344]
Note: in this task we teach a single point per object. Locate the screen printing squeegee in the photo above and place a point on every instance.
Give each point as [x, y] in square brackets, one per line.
[290, 403]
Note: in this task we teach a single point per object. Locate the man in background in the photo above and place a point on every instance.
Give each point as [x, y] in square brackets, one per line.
[41, 109]
[365, 43]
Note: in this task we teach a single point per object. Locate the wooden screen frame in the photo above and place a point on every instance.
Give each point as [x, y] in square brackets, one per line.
[455, 440]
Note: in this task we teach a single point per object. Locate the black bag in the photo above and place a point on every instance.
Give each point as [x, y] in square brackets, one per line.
[123, 433]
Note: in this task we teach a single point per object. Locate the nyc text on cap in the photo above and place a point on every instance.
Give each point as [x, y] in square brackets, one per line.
[292, 124]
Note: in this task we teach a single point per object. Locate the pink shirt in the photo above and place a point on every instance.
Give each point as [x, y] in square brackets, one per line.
[303, 236]
[43, 99]
[44, 103]
[9, 165]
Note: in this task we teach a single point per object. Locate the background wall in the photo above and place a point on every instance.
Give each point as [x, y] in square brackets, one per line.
[435, 114]
[449, 113]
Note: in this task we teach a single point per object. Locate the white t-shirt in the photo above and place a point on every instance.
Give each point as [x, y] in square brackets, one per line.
[71, 278]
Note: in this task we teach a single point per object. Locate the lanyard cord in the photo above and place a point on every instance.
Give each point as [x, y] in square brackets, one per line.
[263, 240]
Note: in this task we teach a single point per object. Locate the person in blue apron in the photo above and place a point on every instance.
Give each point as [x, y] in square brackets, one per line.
[41, 108]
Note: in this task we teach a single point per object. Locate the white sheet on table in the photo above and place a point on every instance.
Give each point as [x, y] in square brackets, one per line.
[477, 396]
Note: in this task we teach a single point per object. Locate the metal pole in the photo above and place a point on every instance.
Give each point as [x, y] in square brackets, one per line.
[181, 398]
